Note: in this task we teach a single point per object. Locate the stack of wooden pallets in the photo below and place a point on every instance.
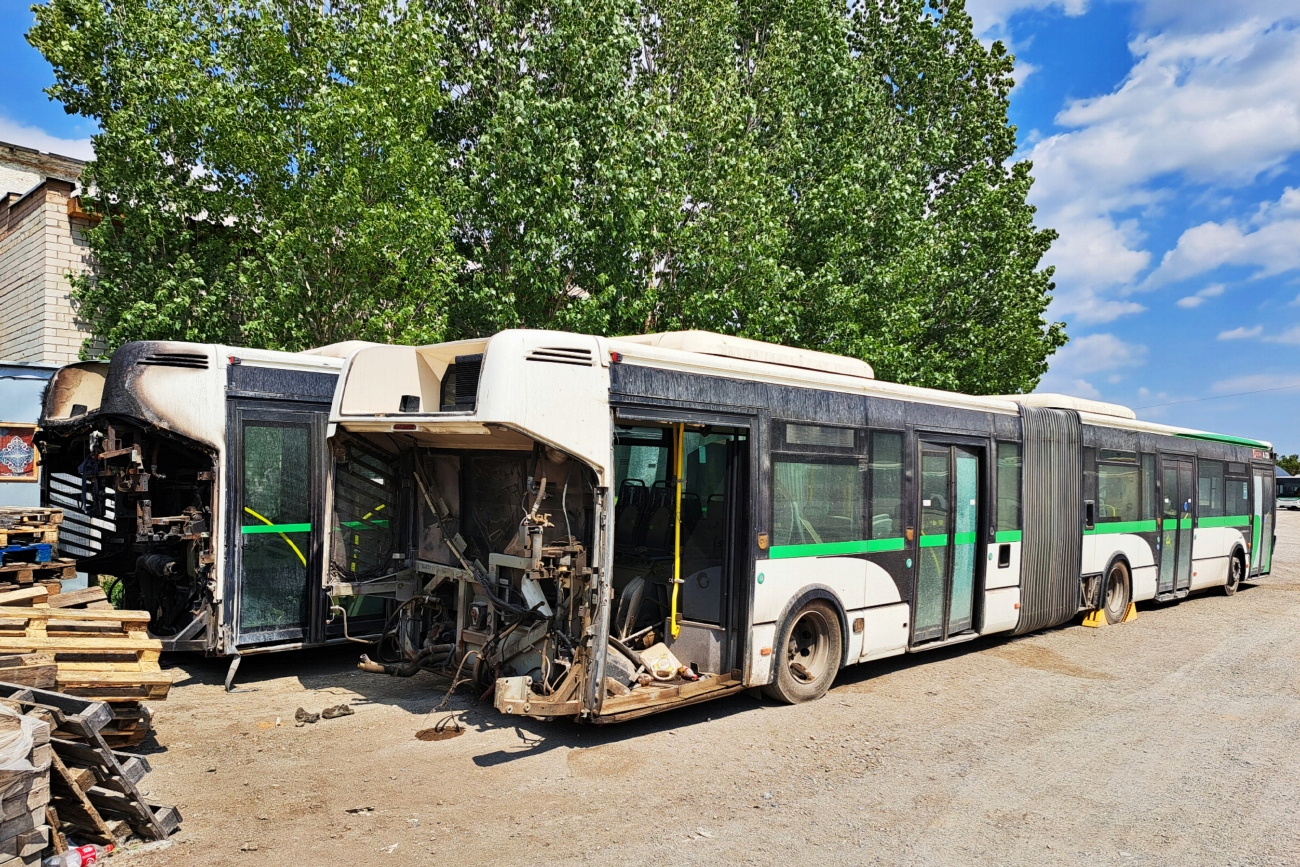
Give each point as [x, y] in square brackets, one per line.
[97, 653]
[29, 539]
[25, 794]
[73, 641]
[92, 790]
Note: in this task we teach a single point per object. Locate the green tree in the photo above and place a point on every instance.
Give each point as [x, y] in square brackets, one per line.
[810, 173]
[268, 167]
[1290, 463]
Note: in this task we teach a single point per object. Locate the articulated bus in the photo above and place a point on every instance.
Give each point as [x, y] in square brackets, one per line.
[193, 474]
[606, 528]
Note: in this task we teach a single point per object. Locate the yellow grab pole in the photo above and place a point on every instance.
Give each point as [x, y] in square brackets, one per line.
[679, 446]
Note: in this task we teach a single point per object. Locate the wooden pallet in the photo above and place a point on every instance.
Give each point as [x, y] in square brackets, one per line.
[100, 653]
[29, 536]
[36, 552]
[20, 574]
[29, 516]
[90, 783]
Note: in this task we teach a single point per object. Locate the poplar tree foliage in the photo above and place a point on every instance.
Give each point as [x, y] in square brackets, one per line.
[284, 173]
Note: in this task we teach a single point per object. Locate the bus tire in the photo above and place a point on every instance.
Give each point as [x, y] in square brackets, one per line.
[1236, 571]
[807, 654]
[1118, 592]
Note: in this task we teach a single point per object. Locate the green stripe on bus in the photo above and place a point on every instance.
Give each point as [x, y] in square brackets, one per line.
[1229, 521]
[1008, 536]
[825, 549]
[936, 541]
[364, 525]
[1185, 523]
[275, 528]
[1122, 527]
[964, 539]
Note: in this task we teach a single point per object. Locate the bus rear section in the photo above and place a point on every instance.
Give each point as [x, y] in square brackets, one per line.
[556, 570]
[191, 475]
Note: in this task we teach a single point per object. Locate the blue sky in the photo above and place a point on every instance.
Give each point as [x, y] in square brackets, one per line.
[1165, 136]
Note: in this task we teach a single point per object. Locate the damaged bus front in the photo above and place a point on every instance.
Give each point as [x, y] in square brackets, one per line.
[191, 473]
[472, 483]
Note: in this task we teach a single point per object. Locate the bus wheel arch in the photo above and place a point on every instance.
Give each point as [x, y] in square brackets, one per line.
[1117, 589]
[810, 647]
[1236, 570]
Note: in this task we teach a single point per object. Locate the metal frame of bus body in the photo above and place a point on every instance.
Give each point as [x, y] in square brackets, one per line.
[156, 398]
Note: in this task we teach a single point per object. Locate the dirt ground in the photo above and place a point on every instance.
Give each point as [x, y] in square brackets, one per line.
[1168, 740]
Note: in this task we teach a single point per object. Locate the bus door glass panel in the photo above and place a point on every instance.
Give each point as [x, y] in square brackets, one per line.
[1175, 526]
[1266, 557]
[275, 528]
[945, 579]
[1184, 576]
[709, 466]
[1262, 523]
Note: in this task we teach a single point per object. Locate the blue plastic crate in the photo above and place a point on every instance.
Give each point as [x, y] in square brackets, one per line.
[42, 553]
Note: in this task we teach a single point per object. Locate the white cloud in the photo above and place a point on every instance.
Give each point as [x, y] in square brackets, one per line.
[1214, 290]
[1272, 247]
[1208, 101]
[1085, 357]
[1241, 332]
[1255, 382]
[1291, 336]
[17, 133]
[991, 16]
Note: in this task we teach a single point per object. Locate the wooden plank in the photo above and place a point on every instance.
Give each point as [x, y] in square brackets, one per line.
[73, 644]
[75, 809]
[40, 676]
[56, 613]
[56, 836]
[25, 596]
[73, 598]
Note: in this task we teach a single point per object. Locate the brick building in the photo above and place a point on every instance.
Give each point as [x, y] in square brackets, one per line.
[41, 243]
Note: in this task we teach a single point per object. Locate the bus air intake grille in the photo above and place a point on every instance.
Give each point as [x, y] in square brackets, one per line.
[562, 355]
[192, 360]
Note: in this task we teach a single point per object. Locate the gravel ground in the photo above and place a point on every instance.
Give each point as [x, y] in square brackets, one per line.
[1168, 740]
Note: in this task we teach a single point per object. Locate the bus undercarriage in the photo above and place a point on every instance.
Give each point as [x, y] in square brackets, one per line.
[503, 545]
[138, 506]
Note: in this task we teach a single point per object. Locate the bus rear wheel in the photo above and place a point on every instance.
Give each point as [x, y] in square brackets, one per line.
[1236, 571]
[808, 655]
[1119, 592]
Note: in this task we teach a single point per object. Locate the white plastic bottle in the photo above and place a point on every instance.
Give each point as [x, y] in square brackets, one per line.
[82, 856]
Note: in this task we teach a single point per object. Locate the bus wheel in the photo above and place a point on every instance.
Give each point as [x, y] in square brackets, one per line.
[1236, 569]
[1119, 592]
[808, 655]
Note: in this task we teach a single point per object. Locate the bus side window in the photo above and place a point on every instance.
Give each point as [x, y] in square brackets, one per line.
[1209, 490]
[886, 510]
[1008, 487]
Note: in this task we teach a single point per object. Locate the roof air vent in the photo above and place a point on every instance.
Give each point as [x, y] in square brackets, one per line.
[193, 360]
[562, 355]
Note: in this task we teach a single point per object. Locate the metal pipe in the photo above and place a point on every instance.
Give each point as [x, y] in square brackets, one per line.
[679, 446]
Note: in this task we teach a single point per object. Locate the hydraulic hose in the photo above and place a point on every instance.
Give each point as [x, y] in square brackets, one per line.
[410, 668]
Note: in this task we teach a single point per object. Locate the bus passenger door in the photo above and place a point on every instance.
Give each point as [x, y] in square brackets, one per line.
[943, 604]
[1261, 523]
[1175, 576]
[275, 491]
